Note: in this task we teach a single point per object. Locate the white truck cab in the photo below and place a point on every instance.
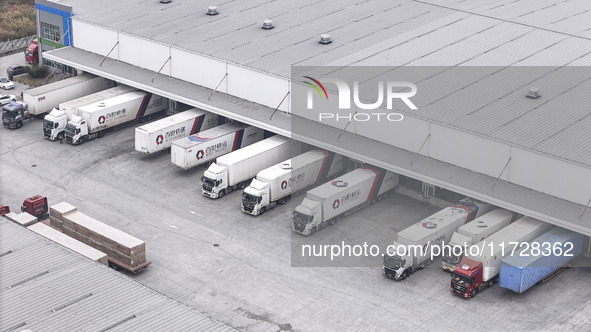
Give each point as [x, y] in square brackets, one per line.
[54, 125]
[255, 197]
[306, 217]
[214, 181]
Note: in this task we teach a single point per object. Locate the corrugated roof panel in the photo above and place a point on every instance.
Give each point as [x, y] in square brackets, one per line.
[55, 289]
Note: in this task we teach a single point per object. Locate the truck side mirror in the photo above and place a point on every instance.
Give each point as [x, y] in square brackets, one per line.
[55, 125]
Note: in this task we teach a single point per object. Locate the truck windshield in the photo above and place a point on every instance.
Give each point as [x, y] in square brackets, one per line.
[394, 262]
[450, 256]
[47, 124]
[250, 199]
[304, 218]
[208, 183]
[460, 279]
[8, 114]
[70, 130]
[28, 53]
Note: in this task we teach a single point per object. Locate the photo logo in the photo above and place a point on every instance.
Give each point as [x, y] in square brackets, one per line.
[393, 90]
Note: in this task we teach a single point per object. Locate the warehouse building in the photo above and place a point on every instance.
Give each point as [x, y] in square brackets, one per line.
[60, 290]
[516, 146]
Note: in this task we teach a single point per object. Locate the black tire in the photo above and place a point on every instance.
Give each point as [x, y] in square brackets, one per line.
[489, 283]
[421, 266]
[101, 134]
[314, 230]
[372, 202]
[282, 201]
[332, 221]
[82, 140]
[405, 275]
[222, 193]
[19, 125]
[263, 210]
[241, 185]
[474, 292]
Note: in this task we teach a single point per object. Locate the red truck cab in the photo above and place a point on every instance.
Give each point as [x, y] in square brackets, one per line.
[32, 52]
[36, 206]
[466, 279]
[4, 209]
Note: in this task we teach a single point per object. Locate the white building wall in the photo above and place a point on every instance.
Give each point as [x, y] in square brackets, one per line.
[94, 39]
[143, 53]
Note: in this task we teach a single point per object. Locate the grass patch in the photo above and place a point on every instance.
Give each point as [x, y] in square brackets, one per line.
[29, 80]
[17, 19]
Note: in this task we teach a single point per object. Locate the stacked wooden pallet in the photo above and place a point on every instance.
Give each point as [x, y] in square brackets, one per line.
[123, 249]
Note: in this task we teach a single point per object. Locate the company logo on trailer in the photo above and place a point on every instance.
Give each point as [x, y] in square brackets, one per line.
[101, 119]
[284, 184]
[340, 183]
[429, 225]
[336, 204]
[200, 154]
[159, 139]
[344, 99]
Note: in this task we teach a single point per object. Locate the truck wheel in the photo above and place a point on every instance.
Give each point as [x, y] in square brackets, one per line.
[332, 221]
[262, 211]
[489, 283]
[82, 140]
[422, 266]
[101, 134]
[313, 230]
[60, 136]
[473, 293]
[241, 185]
[404, 275]
[221, 194]
[19, 125]
[282, 201]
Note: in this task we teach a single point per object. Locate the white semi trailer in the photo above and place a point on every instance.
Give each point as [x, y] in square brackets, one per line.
[345, 194]
[277, 183]
[159, 135]
[414, 246]
[472, 233]
[54, 123]
[47, 97]
[233, 170]
[93, 120]
[207, 145]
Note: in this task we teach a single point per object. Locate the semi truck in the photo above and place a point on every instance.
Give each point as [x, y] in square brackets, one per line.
[481, 270]
[207, 145]
[472, 233]
[234, 170]
[159, 135]
[14, 113]
[47, 97]
[540, 260]
[414, 246]
[36, 206]
[93, 120]
[32, 52]
[274, 185]
[54, 123]
[342, 196]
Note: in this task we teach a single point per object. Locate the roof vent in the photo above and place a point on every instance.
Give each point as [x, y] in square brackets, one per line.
[465, 267]
[165, 1]
[267, 25]
[533, 93]
[325, 39]
[212, 10]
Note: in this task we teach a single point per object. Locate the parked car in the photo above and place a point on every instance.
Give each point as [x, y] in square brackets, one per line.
[5, 99]
[15, 70]
[6, 84]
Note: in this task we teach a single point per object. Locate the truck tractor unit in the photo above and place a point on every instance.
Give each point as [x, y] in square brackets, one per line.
[233, 170]
[14, 113]
[36, 206]
[413, 247]
[481, 270]
[346, 194]
[54, 123]
[276, 184]
[472, 233]
[92, 121]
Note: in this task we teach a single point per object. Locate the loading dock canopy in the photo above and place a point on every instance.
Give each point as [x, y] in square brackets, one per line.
[516, 198]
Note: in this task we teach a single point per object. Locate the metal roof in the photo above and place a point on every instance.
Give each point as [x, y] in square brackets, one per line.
[503, 194]
[46, 287]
